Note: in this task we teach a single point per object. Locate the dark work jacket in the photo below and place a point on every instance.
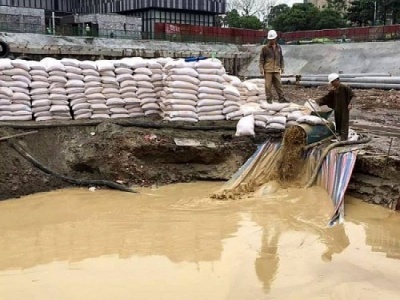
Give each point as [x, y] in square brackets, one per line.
[271, 61]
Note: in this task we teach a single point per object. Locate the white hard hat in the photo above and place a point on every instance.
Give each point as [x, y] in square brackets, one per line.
[272, 35]
[332, 77]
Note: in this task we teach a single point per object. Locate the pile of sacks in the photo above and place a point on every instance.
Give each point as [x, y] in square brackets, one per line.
[15, 101]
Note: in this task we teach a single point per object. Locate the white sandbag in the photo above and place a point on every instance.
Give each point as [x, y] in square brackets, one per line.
[107, 74]
[91, 78]
[75, 84]
[231, 90]
[99, 116]
[76, 96]
[260, 124]
[141, 77]
[276, 126]
[178, 102]
[39, 78]
[78, 100]
[5, 64]
[208, 90]
[36, 66]
[275, 106]
[142, 71]
[59, 108]
[93, 90]
[211, 118]
[93, 84]
[150, 106]
[219, 72]
[293, 116]
[211, 113]
[157, 77]
[109, 80]
[145, 84]
[179, 90]
[231, 103]
[6, 92]
[80, 111]
[245, 126]
[99, 106]
[42, 73]
[54, 78]
[183, 71]
[39, 84]
[234, 115]
[278, 120]
[70, 62]
[230, 109]
[182, 114]
[21, 78]
[75, 90]
[83, 116]
[175, 107]
[104, 65]
[209, 102]
[24, 102]
[122, 70]
[128, 95]
[212, 63]
[124, 77]
[182, 85]
[52, 64]
[95, 96]
[212, 84]
[182, 96]
[73, 69]
[5, 101]
[58, 97]
[90, 72]
[253, 99]
[216, 78]
[128, 89]
[73, 76]
[40, 108]
[184, 78]
[15, 71]
[56, 85]
[118, 110]
[210, 108]
[115, 101]
[87, 65]
[80, 106]
[128, 83]
[312, 120]
[21, 64]
[211, 96]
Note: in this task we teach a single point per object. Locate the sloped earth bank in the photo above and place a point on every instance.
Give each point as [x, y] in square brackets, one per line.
[139, 156]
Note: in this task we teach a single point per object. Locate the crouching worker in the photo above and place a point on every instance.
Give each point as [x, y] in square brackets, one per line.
[271, 67]
[339, 99]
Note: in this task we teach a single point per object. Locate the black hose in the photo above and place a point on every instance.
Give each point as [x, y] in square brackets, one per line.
[5, 49]
[325, 153]
[81, 182]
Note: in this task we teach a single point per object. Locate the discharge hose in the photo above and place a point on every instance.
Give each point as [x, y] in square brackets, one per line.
[81, 182]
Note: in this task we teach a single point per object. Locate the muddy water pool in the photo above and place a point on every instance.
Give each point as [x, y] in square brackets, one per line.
[175, 243]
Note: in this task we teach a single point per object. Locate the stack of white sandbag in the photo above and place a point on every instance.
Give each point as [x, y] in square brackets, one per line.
[128, 87]
[312, 120]
[251, 92]
[232, 104]
[157, 77]
[260, 84]
[74, 89]
[59, 109]
[179, 97]
[276, 123]
[210, 106]
[39, 92]
[109, 85]
[82, 104]
[127, 91]
[15, 102]
[148, 98]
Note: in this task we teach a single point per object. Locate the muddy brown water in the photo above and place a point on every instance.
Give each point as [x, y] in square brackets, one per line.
[175, 243]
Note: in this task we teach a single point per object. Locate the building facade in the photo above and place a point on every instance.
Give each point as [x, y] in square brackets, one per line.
[192, 12]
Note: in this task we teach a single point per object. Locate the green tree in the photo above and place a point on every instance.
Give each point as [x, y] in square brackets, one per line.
[301, 16]
[338, 5]
[361, 12]
[329, 19]
[250, 22]
[278, 10]
[232, 19]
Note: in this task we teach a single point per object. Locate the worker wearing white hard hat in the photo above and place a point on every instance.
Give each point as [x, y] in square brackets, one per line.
[339, 98]
[272, 66]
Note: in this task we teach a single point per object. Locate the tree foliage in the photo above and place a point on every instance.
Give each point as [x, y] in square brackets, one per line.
[305, 16]
[235, 20]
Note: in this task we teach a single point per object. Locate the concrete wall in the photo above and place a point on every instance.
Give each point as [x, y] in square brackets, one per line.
[22, 19]
[373, 57]
[119, 25]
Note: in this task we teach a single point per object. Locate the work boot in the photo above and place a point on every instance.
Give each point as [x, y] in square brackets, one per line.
[284, 100]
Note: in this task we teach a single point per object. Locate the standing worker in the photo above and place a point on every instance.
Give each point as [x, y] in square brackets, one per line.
[272, 66]
[339, 99]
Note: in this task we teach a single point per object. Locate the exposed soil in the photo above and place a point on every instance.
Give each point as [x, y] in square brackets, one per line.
[133, 156]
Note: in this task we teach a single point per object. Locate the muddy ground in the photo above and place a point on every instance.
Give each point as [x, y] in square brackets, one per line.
[144, 156]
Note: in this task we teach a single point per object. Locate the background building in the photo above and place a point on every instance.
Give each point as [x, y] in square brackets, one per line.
[192, 12]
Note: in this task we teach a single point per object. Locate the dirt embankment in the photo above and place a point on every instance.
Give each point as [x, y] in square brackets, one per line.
[130, 155]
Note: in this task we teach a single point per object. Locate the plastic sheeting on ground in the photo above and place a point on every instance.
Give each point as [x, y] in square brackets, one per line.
[334, 174]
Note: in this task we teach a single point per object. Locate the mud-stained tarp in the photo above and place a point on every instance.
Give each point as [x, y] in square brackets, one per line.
[334, 174]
